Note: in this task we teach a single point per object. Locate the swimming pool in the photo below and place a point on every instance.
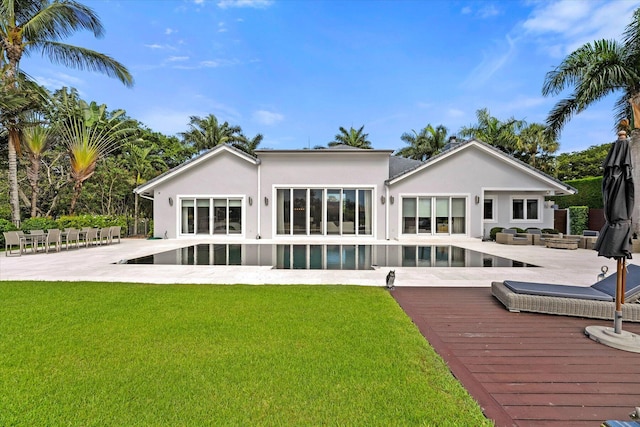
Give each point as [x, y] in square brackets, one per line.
[327, 257]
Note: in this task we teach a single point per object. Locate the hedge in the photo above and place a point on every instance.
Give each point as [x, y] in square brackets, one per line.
[589, 194]
[579, 219]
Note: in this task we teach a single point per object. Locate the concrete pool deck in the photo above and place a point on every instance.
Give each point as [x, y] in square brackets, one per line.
[578, 267]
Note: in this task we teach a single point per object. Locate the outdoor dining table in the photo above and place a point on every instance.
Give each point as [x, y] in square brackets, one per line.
[34, 239]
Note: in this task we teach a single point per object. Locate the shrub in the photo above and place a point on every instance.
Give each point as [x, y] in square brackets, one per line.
[494, 231]
[5, 225]
[579, 219]
[550, 231]
[589, 194]
[94, 221]
[39, 223]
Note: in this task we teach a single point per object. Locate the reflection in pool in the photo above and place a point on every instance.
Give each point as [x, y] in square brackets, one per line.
[327, 257]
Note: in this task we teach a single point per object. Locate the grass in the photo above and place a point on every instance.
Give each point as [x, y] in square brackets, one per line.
[99, 354]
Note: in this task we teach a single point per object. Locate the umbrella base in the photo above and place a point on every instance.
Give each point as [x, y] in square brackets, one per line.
[626, 341]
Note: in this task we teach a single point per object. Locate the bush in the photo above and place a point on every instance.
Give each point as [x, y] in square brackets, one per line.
[494, 231]
[589, 194]
[550, 231]
[5, 225]
[93, 221]
[579, 219]
[38, 223]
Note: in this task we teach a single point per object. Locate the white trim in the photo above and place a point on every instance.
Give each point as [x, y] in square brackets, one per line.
[243, 218]
[433, 196]
[494, 209]
[524, 197]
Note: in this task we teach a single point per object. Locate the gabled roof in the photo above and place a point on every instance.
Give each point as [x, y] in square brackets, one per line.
[399, 165]
[218, 149]
[491, 150]
[342, 148]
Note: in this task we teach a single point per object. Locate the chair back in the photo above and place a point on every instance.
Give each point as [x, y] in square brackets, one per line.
[509, 231]
[11, 238]
[53, 236]
[36, 232]
[536, 231]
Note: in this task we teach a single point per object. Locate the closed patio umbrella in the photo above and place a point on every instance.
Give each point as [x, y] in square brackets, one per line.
[614, 240]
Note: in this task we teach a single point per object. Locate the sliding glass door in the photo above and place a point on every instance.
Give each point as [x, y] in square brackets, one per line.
[324, 211]
[426, 215]
[207, 216]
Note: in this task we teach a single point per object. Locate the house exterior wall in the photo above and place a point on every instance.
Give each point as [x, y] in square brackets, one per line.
[468, 173]
[224, 174]
[322, 169]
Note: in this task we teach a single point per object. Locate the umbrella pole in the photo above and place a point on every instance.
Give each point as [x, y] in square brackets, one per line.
[620, 279]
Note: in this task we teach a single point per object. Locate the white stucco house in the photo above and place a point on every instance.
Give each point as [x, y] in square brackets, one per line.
[350, 193]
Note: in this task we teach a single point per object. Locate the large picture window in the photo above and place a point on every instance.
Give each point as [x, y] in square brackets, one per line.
[434, 215]
[212, 215]
[324, 211]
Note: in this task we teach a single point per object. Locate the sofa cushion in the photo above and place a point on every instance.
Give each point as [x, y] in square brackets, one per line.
[563, 291]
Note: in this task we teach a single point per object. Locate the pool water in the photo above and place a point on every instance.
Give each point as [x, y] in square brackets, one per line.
[327, 257]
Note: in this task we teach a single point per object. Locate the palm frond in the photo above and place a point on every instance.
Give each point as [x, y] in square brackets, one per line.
[59, 20]
[85, 59]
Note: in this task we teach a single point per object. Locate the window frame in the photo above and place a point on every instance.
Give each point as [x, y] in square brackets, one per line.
[525, 201]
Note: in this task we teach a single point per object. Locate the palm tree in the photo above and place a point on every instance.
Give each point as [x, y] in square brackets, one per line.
[247, 145]
[142, 162]
[424, 145]
[352, 138]
[36, 139]
[594, 71]
[27, 26]
[503, 135]
[90, 137]
[537, 145]
[204, 134]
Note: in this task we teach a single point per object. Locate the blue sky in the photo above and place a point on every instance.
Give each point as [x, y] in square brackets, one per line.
[297, 70]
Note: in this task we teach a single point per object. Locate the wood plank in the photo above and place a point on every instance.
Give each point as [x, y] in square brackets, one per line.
[525, 369]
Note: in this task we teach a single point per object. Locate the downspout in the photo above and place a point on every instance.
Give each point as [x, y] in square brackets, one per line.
[258, 201]
[386, 211]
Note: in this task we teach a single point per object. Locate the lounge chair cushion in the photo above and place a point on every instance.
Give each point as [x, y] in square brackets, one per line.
[563, 291]
[632, 284]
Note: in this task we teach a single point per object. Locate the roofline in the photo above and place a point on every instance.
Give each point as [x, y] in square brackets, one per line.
[324, 150]
[193, 162]
[492, 151]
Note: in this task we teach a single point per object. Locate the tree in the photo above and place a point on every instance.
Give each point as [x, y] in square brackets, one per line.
[352, 138]
[36, 139]
[37, 25]
[142, 162]
[581, 164]
[537, 146]
[500, 134]
[594, 71]
[424, 145]
[247, 145]
[204, 134]
[90, 137]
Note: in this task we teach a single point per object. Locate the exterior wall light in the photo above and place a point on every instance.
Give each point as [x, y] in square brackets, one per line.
[391, 199]
[477, 200]
[382, 199]
[266, 201]
[170, 201]
[250, 201]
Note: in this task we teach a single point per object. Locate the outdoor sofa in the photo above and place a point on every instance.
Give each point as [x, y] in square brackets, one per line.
[596, 301]
[509, 236]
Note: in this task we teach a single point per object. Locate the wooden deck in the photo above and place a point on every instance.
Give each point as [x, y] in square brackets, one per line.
[526, 369]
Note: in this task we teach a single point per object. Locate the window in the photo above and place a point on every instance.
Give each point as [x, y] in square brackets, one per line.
[330, 211]
[488, 210]
[434, 215]
[211, 216]
[524, 209]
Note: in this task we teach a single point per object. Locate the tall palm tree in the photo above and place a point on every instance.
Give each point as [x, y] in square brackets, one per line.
[29, 26]
[594, 71]
[88, 138]
[206, 133]
[489, 129]
[424, 145]
[352, 138]
[142, 162]
[36, 139]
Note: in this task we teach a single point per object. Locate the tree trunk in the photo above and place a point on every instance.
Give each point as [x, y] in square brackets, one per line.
[33, 174]
[135, 214]
[13, 177]
[635, 162]
[77, 188]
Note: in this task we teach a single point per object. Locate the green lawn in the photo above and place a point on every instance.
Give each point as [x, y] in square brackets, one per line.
[96, 354]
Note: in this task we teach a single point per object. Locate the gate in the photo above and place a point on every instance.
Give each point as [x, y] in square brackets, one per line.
[560, 220]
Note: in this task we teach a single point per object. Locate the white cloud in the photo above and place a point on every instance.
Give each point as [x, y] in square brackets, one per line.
[256, 4]
[58, 80]
[267, 117]
[488, 11]
[563, 26]
[198, 1]
[466, 10]
[492, 62]
[169, 31]
[177, 58]
[455, 113]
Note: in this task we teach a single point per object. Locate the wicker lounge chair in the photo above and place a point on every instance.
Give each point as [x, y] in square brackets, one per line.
[509, 236]
[596, 301]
